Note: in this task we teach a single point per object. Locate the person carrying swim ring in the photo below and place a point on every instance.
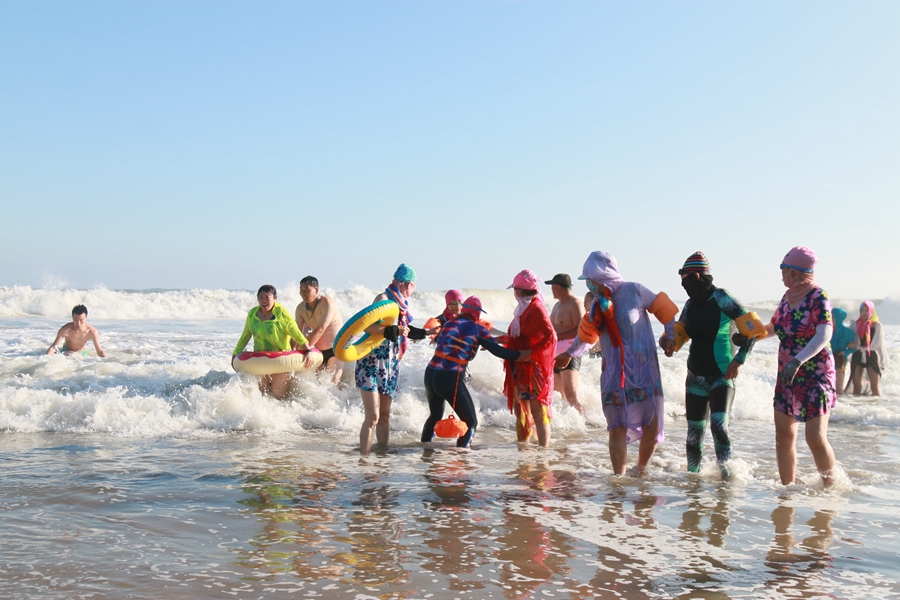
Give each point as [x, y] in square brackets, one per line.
[870, 356]
[712, 369]
[528, 386]
[457, 345]
[630, 384]
[272, 329]
[378, 373]
[805, 388]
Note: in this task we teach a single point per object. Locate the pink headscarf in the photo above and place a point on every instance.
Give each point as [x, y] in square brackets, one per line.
[801, 260]
[451, 296]
[525, 280]
[864, 326]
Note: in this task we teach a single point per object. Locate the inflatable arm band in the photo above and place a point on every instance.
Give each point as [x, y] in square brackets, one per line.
[751, 326]
[663, 308]
[270, 363]
[346, 349]
[681, 336]
[586, 330]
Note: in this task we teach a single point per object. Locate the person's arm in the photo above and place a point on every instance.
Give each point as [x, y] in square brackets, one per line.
[491, 345]
[59, 337]
[95, 338]
[245, 337]
[661, 306]
[733, 309]
[816, 344]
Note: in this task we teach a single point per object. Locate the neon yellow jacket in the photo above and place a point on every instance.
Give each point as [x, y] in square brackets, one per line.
[273, 335]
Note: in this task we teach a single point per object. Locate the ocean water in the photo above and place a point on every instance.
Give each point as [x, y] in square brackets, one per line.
[158, 472]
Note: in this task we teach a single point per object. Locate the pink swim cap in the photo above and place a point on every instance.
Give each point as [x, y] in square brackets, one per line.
[800, 258]
[526, 280]
[453, 296]
[472, 306]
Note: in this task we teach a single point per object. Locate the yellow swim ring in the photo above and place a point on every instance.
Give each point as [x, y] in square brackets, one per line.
[352, 342]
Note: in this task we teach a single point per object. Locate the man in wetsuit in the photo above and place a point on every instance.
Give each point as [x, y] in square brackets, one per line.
[709, 389]
[320, 320]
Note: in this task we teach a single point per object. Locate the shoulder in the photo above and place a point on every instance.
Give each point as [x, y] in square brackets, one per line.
[252, 312]
[380, 297]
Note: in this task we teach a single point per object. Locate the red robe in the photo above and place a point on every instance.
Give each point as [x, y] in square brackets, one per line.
[536, 333]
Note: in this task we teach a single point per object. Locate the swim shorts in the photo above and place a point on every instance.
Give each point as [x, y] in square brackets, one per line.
[574, 365]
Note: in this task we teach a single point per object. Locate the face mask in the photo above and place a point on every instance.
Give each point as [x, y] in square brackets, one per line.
[592, 287]
[693, 287]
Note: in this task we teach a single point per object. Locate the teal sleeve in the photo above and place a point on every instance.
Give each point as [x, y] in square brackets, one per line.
[732, 308]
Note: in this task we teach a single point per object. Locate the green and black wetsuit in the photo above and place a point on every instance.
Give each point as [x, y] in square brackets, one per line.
[708, 395]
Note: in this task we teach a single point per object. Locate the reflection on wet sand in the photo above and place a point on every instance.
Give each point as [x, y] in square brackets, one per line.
[799, 567]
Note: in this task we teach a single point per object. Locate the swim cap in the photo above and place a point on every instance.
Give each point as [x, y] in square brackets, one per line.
[453, 296]
[472, 306]
[526, 280]
[800, 258]
[695, 263]
[405, 274]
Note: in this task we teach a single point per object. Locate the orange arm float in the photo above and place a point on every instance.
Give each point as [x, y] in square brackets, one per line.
[586, 330]
[663, 308]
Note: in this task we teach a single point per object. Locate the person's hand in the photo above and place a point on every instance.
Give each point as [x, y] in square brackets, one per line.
[403, 330]
[667, 344]
[790, 369]
[391, 333]
[738, 340]
[851, 345]
[732, 371]
[524, 356]
[308, 359]
[232, 361]
[562, 361]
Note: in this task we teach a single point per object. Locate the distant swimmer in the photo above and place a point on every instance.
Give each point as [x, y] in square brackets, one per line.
[320, 320]
[565, 317]
[272, 329]
[870, 355]
[76, 334]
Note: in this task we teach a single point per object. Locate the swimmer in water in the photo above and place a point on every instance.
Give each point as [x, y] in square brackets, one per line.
[320, 320]
[565, 317]
[76, 334]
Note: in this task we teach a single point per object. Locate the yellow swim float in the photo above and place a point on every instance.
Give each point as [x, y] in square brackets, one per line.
[352, 342]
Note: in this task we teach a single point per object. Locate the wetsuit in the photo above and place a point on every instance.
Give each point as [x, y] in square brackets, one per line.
[708, 395]
[457, 344]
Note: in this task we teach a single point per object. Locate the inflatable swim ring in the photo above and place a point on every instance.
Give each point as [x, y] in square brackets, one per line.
[352, 342]
[270, 363]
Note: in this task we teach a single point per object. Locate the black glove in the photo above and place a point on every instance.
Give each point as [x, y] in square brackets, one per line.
[391, 333]
[415, 333]
[790, 369]
[738, 340]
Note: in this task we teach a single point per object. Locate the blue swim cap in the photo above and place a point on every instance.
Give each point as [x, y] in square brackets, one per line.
[405, 274]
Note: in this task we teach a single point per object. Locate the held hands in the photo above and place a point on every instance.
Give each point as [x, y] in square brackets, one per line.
[732, 371]
[562, 361]
[738, 340]
[524, 356]
[667, 344]
[308, 359]
[790, 369]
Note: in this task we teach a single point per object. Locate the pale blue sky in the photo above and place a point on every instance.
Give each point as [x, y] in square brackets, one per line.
[229, 144]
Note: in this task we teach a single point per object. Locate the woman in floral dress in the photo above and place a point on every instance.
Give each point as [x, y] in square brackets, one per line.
[805, 390]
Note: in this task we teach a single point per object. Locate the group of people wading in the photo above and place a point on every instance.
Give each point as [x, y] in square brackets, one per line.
[540, 347]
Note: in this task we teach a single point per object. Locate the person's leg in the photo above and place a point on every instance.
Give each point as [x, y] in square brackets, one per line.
[370, 420]
[856, 373]
[335, 370]
[541, 417]
[874, 380]
[280, 384]
[840, 377]
[383, 427]
[265, 383]
[435, 404]
[786, 446]
[465, 408]
[696, 411]
[647, 444]
[569, 380]
[618, 451]
[823, 454]
[720, 400]
[558, 384]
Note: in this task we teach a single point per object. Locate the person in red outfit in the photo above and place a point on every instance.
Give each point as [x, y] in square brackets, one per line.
[529, 385]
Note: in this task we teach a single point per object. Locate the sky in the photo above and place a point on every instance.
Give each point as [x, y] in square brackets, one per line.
[223, 144]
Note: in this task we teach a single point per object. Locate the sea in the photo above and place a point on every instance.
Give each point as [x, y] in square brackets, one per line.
[160, 473]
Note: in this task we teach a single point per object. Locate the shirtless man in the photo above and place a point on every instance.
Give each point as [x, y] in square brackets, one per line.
[77, 333]
[319, 320]
[565, 317]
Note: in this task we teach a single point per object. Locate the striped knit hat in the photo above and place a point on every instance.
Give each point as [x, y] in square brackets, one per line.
[696, 263]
